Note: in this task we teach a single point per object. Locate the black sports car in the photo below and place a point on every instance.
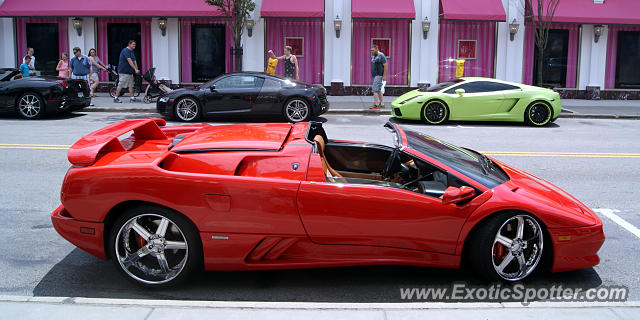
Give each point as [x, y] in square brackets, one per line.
[37, 96]
[246, 93]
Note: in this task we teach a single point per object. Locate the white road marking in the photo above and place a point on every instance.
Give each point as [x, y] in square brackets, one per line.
[609, 213]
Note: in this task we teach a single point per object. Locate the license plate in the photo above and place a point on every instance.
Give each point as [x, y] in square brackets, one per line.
[80, 95]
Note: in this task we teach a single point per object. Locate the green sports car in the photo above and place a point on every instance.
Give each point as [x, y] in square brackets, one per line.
[479, 99]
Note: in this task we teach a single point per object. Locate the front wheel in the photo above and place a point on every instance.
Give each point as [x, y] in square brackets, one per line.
[538, 114]
[187, 109]
[154, 246]
[508, 247]
[297, 110]
[435, 112]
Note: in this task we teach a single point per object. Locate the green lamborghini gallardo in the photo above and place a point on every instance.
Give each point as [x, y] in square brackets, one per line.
[479, 99]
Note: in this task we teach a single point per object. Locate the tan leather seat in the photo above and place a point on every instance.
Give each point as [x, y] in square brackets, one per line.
[328, 170]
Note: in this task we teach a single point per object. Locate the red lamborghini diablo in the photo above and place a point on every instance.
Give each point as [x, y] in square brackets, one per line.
[165, 201]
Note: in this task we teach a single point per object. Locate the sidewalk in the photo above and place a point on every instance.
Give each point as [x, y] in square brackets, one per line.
[572, 108]
[16, 307]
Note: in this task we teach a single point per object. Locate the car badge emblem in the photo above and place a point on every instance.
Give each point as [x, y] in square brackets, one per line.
[294, 166]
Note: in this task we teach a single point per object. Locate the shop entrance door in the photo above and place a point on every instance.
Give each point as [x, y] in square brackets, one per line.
[43, 37]
[628, 60]
[554, 61]
[207, 51]
[118, 36]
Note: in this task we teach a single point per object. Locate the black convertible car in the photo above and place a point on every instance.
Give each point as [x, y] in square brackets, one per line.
[37, 96]
[246, 93]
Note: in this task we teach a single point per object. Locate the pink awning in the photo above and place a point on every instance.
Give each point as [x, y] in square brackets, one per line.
[477, 10]
[585, 11]
[383, 9]
[292, 9]
[108, 8]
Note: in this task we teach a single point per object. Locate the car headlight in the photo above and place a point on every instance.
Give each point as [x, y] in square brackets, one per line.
[163, 99]
[405, 101]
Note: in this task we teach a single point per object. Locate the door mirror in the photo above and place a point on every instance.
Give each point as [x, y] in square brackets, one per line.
[212, 88]
[455, 195]
[460, 92]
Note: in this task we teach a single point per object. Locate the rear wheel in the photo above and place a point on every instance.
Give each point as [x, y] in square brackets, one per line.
[30, 106]
[187, 109]
[155, 247]
[538, 114]
[435, 112]
[508, 247]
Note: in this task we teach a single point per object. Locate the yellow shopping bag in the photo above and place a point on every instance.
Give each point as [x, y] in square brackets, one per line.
[271, 67]
[459, 68]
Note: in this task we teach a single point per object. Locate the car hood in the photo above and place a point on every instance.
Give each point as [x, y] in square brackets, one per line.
[413, 94]
[567, 211]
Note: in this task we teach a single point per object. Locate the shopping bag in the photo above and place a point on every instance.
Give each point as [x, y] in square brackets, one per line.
[384, 84]
[271, 66]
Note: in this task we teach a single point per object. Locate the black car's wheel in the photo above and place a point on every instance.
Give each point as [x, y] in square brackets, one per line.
[187, 109]
[435, 112]
[508, 247]
[297, 110]
[154, 246]
[538, 114]
[30, 106]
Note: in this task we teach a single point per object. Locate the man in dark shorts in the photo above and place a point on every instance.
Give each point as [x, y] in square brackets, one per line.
[379, 74]
[127, 68]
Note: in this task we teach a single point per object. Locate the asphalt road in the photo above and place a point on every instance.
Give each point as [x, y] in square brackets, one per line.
[35, 260]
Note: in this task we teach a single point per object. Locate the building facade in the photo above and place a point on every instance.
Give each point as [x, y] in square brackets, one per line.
[593, 49]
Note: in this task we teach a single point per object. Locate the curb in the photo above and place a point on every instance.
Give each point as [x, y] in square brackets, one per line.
[381, 112]
[313, 305]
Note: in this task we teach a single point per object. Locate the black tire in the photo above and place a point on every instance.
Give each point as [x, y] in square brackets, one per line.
[147, 270]
[483, 251]
[538, 114]
[434, 112]
[187, 109]
[30, 105]
[297, 110]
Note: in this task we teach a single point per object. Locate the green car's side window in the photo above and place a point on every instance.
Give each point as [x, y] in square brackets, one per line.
[481, 86]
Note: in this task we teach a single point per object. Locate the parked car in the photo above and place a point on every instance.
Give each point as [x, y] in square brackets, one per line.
[37, 96]
[166, 201]
[479, 99]
[246, 93]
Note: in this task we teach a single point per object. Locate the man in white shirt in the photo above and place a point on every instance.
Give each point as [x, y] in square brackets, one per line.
[32, 64]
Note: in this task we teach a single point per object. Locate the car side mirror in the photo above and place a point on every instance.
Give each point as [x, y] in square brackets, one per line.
[212, 88]
[456, 195]
[460, 92]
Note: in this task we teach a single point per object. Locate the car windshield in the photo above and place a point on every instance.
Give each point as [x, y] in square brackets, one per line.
[441, 86]
[470, 163]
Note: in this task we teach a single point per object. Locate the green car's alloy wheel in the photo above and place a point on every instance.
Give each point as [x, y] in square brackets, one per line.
[435, 112]
[538, 114]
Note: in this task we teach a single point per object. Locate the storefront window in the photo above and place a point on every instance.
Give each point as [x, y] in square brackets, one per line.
[43, 37]
[554, 61]
[118, 35]
[627, 75]
[207, 51]
[472, 41]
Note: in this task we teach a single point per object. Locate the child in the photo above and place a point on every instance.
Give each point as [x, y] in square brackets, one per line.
[24, 68]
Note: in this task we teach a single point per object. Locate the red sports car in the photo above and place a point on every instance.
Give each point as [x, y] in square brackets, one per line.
[165, 201]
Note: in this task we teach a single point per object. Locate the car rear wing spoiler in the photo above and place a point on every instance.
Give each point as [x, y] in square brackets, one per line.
[87, 150]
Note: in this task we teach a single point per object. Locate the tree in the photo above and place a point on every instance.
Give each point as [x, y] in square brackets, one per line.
[237, 11]
[545, 10]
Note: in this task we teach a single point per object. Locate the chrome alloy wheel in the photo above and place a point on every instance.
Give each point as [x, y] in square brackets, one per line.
[151, 257]
[187, 109]
[517, 247]
[29, 105]
[297, 110]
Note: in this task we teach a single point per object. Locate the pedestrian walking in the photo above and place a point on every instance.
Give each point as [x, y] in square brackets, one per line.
[96, 66]
[378, 75]
[291, 69]
[127, 68]
[80, 65]
[63, 66]
[25, 71]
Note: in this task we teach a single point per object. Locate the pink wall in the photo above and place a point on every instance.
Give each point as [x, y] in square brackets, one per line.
[452, 31]
[310, 65]
[612, 54]
[63, 34]
[572, 58]
[398, 62]
[103, 42]
[185, 30]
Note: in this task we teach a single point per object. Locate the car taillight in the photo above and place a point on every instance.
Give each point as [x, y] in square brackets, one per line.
[62, 83]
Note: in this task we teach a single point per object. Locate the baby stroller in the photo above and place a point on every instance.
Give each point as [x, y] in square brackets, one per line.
[137, 87]
[154, 89]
